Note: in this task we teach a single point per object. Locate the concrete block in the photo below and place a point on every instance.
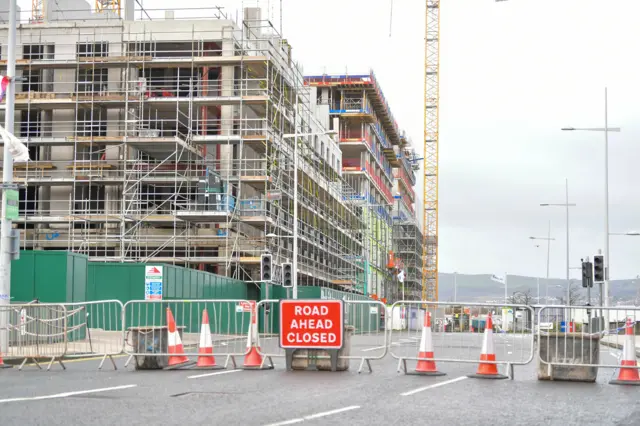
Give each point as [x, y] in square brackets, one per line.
[580, 349]
[304, 359]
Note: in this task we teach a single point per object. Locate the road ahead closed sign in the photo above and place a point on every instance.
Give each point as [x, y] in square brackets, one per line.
[311, 324]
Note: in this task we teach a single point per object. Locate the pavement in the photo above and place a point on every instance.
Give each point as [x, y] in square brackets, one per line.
[82, 395]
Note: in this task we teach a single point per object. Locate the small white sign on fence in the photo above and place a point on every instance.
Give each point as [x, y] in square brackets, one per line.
[153, 282]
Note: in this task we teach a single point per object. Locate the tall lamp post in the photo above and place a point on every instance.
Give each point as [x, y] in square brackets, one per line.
[548, 239]
[566, 205]
[7, 182]
[606, 129]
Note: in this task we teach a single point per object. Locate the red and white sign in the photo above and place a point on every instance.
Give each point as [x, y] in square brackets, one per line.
[245, 306]
[311, 324]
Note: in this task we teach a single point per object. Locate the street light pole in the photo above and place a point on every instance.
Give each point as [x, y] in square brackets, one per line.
[548, 239]
[7, 183]
[606, 201]
[294, 263]
[455, 287]
[567, 205]
[566, 182]
[606, 131]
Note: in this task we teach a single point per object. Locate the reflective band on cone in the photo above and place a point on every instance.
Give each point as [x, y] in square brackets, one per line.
[488, 370]
[426, 367]
[206, 360]
[628, 376]
[176, 350]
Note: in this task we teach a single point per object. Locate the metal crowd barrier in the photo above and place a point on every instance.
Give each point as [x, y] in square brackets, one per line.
[36, 331]
[95, 329]
[575, 335]
[365, 337]
[458, 332]
[146, 328]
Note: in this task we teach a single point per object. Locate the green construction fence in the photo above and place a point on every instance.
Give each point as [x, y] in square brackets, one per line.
[128, 282]
[49, 276]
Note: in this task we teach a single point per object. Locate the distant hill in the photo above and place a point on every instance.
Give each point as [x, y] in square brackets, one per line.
[480, 287]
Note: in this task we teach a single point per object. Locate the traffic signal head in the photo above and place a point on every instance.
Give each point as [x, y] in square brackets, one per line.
[585, 274]
[287, 275]
[598, 268]
[265, 268]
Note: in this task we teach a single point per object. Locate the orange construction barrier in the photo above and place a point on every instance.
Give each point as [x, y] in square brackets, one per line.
[176, 350]
[628, 375]
[488, 370]
[206, 359]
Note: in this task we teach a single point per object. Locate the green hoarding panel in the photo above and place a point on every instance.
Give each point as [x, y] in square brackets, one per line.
[126, 282]
[49, 276]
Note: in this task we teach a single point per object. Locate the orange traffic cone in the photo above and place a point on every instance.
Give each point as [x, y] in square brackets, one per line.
[628, 376]
[426, 367]
[2, 364]
[205, 349]
[176, 350]
[488, 370]
[253, 359]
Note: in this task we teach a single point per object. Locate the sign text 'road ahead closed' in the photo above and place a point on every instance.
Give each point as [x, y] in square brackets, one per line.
[311, 324]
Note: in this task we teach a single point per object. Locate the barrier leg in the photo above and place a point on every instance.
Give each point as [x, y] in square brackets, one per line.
[368, 362]
[128, 361]
[104, 358]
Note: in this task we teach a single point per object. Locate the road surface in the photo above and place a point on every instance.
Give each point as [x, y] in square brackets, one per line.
[81, 395]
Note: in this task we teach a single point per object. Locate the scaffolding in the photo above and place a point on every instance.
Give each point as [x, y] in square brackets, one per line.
[164, 141]
[378, 161]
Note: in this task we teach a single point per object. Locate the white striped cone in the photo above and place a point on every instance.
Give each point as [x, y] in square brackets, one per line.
[253, 358]
[426, 348]
[205, 349]
[628, 376]
[488, 370]
[176, 350]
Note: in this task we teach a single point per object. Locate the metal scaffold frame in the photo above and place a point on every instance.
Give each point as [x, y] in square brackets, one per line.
[172, 151]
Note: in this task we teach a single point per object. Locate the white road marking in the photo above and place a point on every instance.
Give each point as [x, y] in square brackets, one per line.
[66, 394]
[433, 386]
[316, 416]
[373, 349]
[213, 374]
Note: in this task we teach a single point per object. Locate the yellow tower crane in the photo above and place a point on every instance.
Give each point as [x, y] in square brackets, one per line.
[431, 139]
[109, 5]
[37, 11]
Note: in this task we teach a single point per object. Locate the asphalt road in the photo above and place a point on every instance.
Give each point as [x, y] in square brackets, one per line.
[81, 395]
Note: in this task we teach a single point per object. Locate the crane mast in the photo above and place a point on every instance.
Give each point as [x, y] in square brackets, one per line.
[431, 125]
[108, 5]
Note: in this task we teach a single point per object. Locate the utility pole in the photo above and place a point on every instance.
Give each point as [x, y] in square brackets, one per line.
[7, 183]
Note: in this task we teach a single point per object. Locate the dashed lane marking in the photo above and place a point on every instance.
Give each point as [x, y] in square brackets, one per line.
[436, 385]
[66, 394]
[213, 374]
[316, 416]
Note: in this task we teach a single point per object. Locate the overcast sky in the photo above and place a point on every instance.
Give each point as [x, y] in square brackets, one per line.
[512, 74]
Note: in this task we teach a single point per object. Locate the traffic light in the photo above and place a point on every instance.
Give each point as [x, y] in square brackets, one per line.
[585, 274]
[598, 268]
[287, 275]
[265, 268]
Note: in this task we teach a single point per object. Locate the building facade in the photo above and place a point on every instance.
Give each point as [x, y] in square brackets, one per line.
[174, 141]
[379, 162]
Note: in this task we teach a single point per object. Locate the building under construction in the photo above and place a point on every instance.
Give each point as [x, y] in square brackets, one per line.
[379, 163]
[171, 140]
